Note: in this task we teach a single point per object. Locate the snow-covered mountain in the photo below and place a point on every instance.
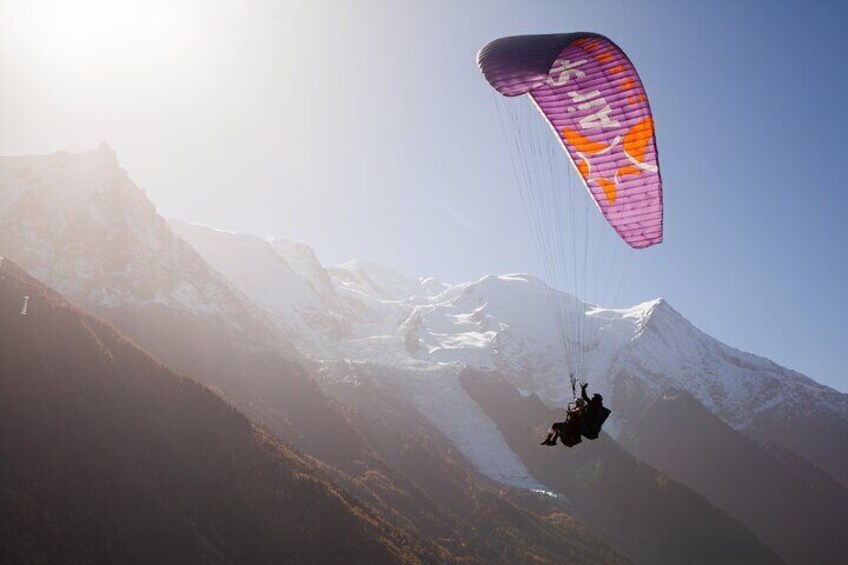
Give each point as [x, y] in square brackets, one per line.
[79, 224]
[424, 327]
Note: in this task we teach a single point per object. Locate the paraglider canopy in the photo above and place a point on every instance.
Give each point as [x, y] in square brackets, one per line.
[590, 94]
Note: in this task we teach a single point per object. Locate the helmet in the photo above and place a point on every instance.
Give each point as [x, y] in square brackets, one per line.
[597, 397]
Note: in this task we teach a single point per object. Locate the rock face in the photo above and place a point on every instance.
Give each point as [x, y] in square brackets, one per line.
[79, 224]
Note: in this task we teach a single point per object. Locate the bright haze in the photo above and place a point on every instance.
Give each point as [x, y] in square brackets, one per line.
[364, 129]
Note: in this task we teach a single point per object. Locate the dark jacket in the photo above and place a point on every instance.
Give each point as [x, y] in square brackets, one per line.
[594, 415]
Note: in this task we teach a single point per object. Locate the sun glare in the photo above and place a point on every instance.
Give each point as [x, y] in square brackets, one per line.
[95, 34]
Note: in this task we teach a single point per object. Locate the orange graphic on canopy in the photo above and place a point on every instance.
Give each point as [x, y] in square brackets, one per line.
[583, 144]
[609, 189]
[634, 144]
[627, 170]
[637, 139]
[592, 45]
[604, 57]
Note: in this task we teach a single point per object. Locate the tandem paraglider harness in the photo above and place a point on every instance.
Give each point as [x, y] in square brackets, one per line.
[584, 418]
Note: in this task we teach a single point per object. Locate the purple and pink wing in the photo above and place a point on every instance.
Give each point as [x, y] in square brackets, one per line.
[590, 94]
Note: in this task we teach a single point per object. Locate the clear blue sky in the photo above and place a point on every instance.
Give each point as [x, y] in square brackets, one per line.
[365, 130]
